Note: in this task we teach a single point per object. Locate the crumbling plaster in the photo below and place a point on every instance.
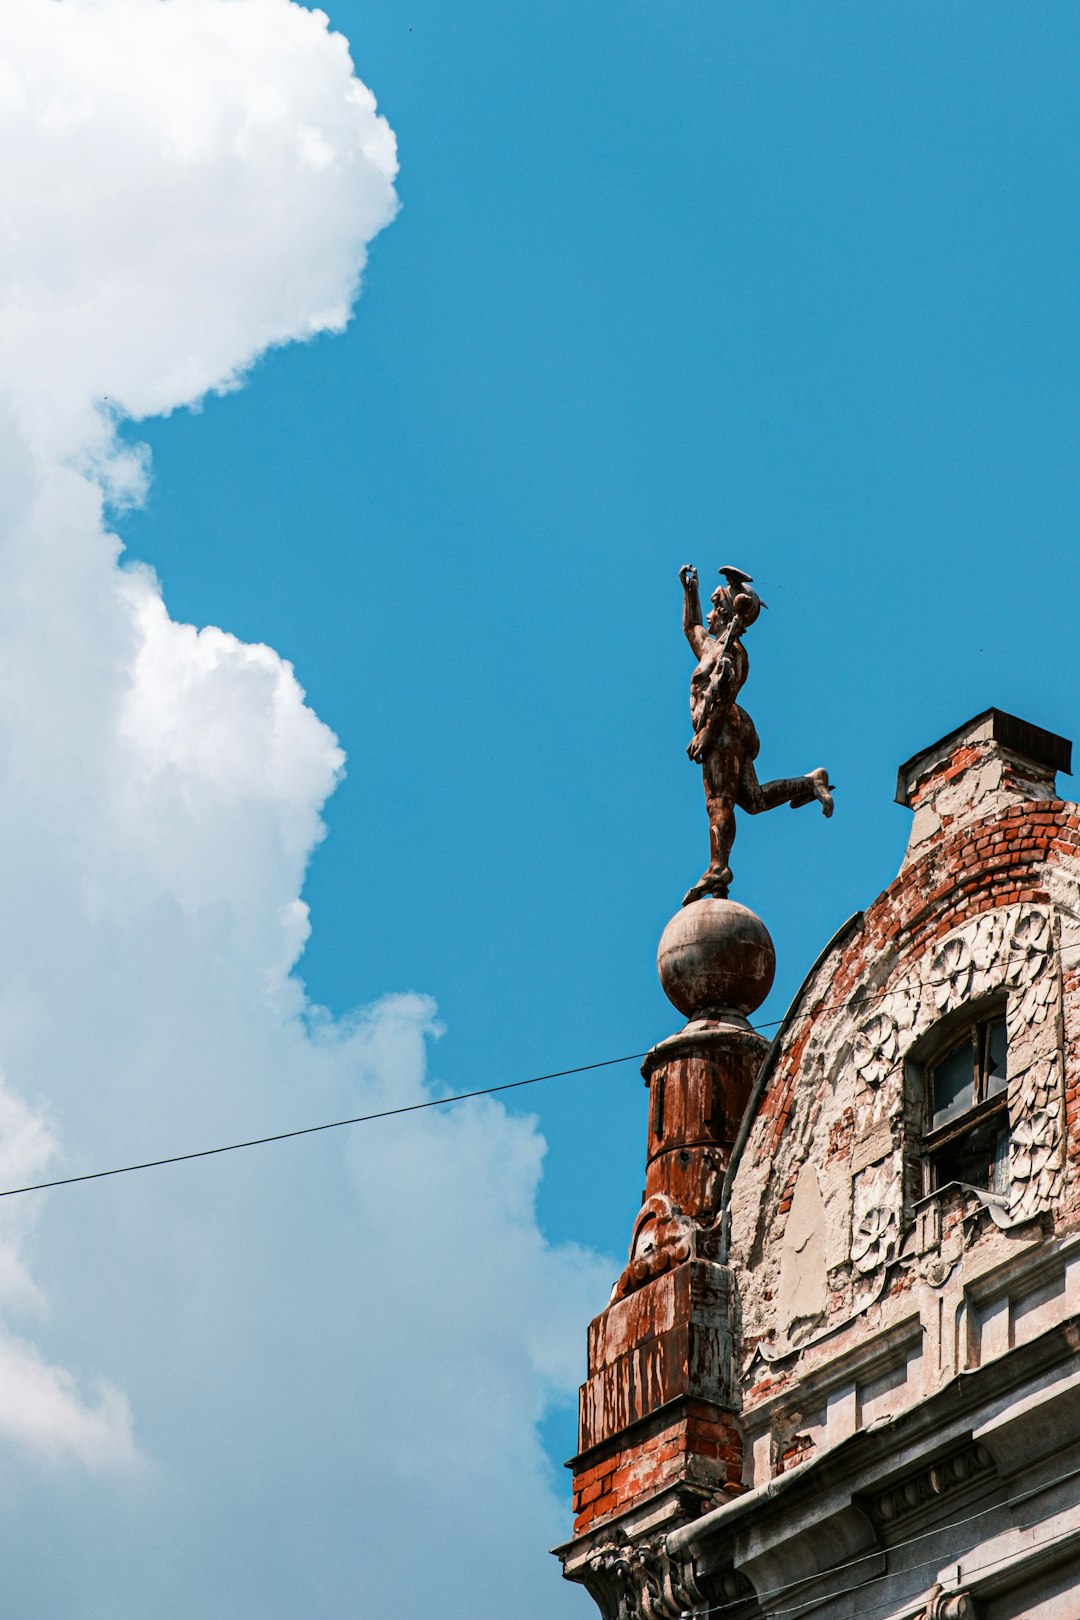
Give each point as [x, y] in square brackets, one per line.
[833, 1242]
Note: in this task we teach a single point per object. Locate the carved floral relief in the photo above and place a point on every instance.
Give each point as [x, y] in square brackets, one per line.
[857, 1061]
[874, 1048]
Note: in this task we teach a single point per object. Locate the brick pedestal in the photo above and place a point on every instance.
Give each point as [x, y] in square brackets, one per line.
[655, 1416]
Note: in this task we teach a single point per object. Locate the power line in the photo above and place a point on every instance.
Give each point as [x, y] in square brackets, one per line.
[853, 1000]
[312, 1130]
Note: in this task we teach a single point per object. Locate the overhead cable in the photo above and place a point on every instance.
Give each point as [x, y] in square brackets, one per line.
[853, 1000]
[312, 1130]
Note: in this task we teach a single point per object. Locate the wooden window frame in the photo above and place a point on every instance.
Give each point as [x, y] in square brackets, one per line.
[983, 1111]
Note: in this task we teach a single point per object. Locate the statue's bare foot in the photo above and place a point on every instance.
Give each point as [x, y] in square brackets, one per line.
[819, 781]
[713, 884]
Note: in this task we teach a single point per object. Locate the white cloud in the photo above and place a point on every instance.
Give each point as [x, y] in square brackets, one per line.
[308, 1378]
[161, 146]
[41, 1407]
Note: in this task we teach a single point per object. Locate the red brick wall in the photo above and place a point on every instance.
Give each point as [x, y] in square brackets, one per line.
[698, 1444]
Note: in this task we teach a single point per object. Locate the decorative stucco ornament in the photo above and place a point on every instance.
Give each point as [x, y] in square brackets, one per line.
[662, 1238]
[1032, 1145]
[1029, 943]
[1012, 950]
[950, 971]
[936, 1270]
[640, 1581]
[873, 1240]
[1007, 953]
[874, 1048]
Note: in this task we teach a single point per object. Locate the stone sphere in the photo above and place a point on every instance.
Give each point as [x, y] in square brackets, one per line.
[716, 955]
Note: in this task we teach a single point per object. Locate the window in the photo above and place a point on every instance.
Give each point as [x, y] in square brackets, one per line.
[967, 1126]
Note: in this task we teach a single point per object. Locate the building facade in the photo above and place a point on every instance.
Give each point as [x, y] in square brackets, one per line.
[839, 1376]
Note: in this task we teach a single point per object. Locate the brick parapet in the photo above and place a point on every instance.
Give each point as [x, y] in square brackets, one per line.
[668, 1340]
[665, 1343]
[690, 1442]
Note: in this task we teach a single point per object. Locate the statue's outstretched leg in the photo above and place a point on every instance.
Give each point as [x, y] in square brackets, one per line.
[755, 796]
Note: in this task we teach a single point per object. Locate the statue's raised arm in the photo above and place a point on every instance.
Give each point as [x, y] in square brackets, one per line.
[692, 622]
[725, 742]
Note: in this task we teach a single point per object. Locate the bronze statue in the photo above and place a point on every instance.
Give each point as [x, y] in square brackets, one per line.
[725, 743]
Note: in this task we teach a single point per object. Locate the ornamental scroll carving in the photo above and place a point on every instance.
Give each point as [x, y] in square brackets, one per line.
[640, 1581]
[662, 1238]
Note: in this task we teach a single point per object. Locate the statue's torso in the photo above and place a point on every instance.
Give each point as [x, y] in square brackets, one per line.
[710, 664]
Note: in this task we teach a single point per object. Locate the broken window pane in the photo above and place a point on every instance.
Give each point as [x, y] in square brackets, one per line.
[953, 1082]
[997, 1057]
[967, 1109]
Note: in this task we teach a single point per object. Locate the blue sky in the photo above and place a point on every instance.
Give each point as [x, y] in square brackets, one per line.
[790, 286]
[786, 285]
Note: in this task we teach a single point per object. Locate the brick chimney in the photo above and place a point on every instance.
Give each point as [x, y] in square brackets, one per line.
[984, 767]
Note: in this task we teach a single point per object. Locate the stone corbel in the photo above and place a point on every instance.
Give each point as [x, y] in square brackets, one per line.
[640, 1581]
[610, 1581]
[944, 1605]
